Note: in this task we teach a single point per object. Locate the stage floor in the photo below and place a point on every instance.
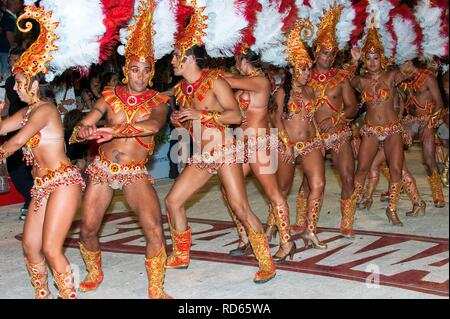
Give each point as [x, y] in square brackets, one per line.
[382, 261]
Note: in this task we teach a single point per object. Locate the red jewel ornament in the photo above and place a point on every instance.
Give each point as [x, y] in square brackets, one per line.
[322, 77]
[190, 88]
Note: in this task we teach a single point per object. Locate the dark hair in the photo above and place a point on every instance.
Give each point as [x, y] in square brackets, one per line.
[106, 77]
[287, 89]
[200, 55]
[253, 58]
[72, 118]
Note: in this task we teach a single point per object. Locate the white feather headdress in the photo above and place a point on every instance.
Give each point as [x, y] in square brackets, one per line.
[78, 45]
[430, 17]
[379, 13]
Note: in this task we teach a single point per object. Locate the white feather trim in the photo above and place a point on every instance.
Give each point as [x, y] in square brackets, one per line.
[406, 48]
[29, 2]
[268, 29]
[303, 9]
[379, 9]
[226, 21]
[164, 22]
[79, 30]
[276, 56]
[429, 18]
[444, 68]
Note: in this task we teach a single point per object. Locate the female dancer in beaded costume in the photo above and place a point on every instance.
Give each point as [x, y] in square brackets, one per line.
[57, 183]
[253, 97]
[294, 118]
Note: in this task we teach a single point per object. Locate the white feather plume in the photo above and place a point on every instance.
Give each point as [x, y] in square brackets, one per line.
[302, 9]
[79, 30]
[268, 29]
[379, 10]
[164, 21]
[226, 20]
[29, 2]
[429, 18]
[406, 48]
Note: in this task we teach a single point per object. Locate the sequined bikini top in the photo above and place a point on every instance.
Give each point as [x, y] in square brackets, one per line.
[378, 97]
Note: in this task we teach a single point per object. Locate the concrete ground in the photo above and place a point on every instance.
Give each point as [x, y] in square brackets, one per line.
[382, 261]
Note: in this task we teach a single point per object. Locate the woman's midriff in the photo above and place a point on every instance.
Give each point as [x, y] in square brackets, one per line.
[381, 114]
[299, 130]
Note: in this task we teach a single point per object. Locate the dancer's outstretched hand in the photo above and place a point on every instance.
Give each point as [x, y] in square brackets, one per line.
[104, 134]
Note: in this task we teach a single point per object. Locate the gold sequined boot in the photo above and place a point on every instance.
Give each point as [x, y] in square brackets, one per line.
[65, 284]
[301, 212]
[410, 187]
[281, 213]
[436, 190]
[181, 248]
[39, 279]
[348, 209]
[391, 210]
[261, 250]
[93, 261]
[310, 234]
[155, 273]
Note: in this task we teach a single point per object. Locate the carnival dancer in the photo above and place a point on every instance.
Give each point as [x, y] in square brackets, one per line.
[134, 115]
[208, 107]
[261, 147]
[299, 133]
[57, 183]
[408, 181]
[336, 106]
[424, 116]
[378, 91]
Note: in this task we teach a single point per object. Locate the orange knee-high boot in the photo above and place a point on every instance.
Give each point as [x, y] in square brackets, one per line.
[410, 187]
[93, 261]
[281, 213]
[391, 210]
[181, 248]
[310, 234]
[348, 209]
[65, 284]
[156, 270]
[436, 189]
[39, 279]
[261, 250]
[301, 212]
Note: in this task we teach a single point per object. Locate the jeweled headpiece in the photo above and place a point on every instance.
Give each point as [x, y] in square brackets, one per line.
[373, 44]
[34, 59]
[297, 54]
[194, 32]
[139, 46]
[326, 29]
